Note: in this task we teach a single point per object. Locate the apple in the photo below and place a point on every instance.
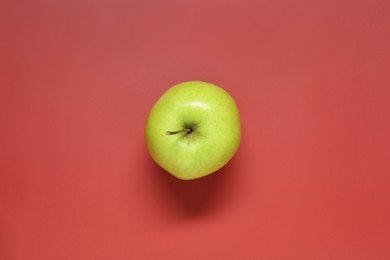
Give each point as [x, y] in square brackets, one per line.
[193, 129]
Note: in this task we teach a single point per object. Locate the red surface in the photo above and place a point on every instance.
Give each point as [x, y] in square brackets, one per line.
[310, 181]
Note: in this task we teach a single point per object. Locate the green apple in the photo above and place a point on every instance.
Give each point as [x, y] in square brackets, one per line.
[193, 129]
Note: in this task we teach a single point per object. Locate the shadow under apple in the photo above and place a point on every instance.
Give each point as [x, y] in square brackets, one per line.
[193, 198]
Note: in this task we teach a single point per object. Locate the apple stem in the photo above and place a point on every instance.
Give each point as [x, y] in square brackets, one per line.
[179, 131]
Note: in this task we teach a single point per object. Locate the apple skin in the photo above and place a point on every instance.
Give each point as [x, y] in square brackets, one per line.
[211, 115]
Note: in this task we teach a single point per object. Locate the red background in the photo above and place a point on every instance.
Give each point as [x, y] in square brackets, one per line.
[310, 181]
